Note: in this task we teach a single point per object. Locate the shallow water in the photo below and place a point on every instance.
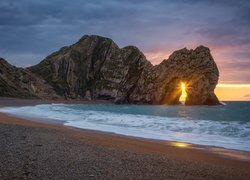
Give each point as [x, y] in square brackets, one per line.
[224, 126]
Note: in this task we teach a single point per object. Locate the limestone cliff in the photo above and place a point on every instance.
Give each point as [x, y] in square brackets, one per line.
[96, 68]
[19, 82]
[93, 68]
[196, 68]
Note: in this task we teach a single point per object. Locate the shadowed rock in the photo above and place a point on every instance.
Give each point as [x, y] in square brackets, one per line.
[19, 82]
[96, 68]
[194, 67]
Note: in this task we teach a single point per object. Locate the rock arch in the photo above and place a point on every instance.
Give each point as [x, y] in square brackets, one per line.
[198, 69]
[195, 67]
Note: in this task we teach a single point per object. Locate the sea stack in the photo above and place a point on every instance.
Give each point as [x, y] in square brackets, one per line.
[96, 68]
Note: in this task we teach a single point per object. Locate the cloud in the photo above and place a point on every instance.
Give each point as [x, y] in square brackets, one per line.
[31, 29]
[247, 95]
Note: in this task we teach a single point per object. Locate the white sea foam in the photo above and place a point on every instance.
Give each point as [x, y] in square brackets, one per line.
[228, 134]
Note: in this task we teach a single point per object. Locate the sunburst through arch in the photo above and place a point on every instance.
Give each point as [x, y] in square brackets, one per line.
[183, 96]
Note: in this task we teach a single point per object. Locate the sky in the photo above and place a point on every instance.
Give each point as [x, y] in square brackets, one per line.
[32, 29]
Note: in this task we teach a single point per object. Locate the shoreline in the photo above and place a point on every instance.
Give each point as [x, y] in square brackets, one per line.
[33, 148]
[12, 102]
[217, 150]
[202, 158]
[226, 152]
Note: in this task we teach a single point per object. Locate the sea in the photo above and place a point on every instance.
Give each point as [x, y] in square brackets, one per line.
[226, 126]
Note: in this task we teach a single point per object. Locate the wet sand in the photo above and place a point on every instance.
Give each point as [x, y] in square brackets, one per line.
[38, 150]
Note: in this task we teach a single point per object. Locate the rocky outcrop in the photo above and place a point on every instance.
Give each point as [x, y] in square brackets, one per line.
[93, 68]
[19, 82]
[162, 83]
[96, 68]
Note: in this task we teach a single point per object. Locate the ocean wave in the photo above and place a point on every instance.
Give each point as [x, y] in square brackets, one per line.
[125, 120]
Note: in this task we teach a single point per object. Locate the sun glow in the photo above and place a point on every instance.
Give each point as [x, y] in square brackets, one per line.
[233, 92]
[183, 92]
[233, 85]
[180, 144]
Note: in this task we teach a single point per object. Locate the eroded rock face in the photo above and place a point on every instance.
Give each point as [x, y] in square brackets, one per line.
[196, 68]
[93, 68]
[96, 68]
[19, 82]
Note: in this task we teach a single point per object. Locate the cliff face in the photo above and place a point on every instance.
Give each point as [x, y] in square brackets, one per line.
[162, 83]
[96, 68]
[93, 68]
[19, 82]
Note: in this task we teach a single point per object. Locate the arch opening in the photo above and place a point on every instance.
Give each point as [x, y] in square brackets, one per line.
[183, 96]
[177, 92]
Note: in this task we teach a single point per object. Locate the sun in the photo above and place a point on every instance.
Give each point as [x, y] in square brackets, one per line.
[183, 92]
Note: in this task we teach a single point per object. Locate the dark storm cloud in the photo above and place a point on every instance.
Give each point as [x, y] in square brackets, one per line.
[39, 23]
[31, 29]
